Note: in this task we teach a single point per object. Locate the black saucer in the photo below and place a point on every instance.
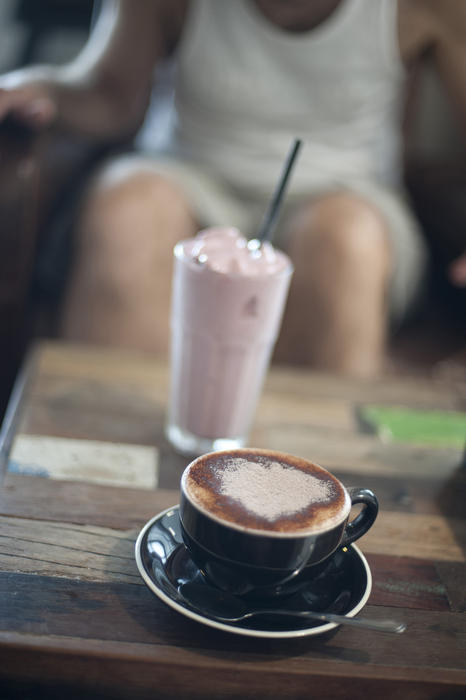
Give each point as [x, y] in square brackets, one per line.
[164, 564]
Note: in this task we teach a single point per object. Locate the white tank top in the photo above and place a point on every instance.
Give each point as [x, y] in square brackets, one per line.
[245, 88]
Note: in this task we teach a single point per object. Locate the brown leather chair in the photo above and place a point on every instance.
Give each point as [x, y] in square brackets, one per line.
[19, 201]
[41, 178]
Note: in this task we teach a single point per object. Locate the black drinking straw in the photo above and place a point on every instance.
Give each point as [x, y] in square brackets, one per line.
[270, 217]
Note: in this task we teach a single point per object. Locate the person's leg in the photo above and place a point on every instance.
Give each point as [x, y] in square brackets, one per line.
[336, 316]
[119, 289]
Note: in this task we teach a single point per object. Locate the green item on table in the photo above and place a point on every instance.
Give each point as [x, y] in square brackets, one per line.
[436, 428]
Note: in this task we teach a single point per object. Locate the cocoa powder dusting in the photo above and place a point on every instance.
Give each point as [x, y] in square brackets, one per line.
[267, 490]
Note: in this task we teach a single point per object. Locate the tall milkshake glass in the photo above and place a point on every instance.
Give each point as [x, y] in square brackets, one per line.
[227, 305]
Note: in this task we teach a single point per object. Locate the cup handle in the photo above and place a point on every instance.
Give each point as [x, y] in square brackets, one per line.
[364, 520]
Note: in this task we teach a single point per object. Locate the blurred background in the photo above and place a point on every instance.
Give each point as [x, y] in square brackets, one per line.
[41, 178]
[48, 31]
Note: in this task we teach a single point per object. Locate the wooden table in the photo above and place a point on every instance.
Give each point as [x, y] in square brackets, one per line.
[76, 619]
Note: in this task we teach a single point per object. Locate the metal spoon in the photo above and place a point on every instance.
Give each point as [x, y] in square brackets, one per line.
[225, 607]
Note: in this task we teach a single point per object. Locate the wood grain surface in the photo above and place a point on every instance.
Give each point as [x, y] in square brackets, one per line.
[76, 619]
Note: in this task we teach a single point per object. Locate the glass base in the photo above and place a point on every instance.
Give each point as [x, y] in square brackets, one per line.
[192, 445]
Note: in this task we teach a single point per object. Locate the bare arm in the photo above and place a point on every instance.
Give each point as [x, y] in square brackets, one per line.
[443, 26]
[450, 57]
[448, 28]
[439, 28]
[104, 92]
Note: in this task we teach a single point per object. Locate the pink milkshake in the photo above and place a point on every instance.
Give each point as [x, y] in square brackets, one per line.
[227, 304]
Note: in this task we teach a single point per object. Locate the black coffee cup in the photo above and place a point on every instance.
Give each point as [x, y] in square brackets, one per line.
[255, 521]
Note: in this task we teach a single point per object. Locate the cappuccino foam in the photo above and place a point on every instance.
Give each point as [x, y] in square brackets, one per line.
[266, 491]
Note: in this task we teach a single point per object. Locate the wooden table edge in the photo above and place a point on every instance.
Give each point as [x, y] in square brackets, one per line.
[139, 652]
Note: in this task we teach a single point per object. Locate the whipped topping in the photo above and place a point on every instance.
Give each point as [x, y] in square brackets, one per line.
[226, 250]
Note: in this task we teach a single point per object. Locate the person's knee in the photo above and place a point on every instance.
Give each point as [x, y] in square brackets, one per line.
[130, 218]
[124, 196]
[345, 230]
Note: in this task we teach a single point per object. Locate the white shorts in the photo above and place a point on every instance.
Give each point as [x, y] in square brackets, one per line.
[213, 202]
